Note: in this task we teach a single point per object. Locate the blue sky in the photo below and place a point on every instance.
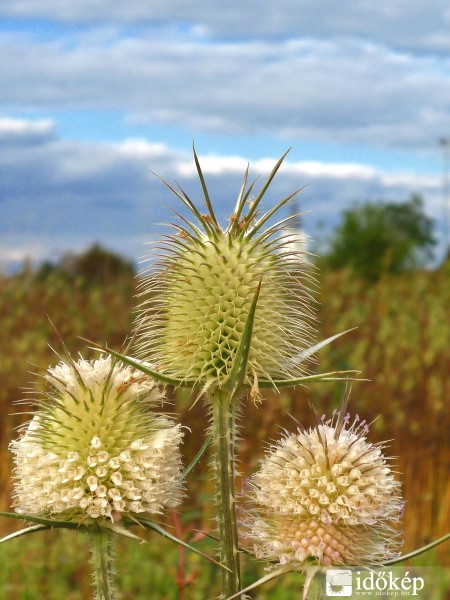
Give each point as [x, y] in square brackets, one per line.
[96, 95]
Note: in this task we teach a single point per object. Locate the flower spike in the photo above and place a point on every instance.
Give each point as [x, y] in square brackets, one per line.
[94, 450]
[326, 497]
[198, 297]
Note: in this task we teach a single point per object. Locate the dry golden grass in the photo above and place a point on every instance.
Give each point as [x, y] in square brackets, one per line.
[401, 344]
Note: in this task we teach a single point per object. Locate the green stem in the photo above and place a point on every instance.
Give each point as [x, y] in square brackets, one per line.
[102, 564]
[224, 440]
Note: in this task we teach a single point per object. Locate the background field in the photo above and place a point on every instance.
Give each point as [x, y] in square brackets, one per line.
[401, 345]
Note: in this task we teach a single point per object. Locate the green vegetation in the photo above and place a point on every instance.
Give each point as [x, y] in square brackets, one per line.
[144, 571]
[96, 264]
[401, 344]
[376, 238]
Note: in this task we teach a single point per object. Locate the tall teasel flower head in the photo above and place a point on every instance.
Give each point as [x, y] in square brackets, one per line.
[325, 496]
[95, 450]
[201, 294]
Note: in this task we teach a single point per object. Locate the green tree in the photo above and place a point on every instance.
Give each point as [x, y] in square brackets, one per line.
[376, 238]
[96, 264]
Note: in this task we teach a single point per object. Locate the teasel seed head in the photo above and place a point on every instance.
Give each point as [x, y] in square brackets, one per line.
[199, 295]
[325, 496]
[95, 449]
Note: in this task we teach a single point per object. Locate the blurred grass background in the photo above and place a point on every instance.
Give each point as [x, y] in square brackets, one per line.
[401, 345]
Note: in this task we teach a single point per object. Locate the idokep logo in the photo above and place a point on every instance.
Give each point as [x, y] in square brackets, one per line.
[338, 582]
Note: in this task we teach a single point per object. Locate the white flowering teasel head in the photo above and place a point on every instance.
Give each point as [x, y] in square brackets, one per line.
[326, 496]
[199, 295]
[95, 450]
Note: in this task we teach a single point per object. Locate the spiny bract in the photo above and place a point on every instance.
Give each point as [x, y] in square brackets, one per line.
[200, 293]
[94, 449]
[325, 495]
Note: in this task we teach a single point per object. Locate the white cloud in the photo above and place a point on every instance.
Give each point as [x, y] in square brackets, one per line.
[60, 195]
[18, 254]
[21, 127]
[404, 23]
[19, 131]
[347, 91]
[317, 169]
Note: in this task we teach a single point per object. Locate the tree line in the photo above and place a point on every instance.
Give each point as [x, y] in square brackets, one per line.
[373, 239]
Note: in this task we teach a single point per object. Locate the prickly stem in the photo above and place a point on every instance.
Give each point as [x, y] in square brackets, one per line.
[102, 564]
[224, 440]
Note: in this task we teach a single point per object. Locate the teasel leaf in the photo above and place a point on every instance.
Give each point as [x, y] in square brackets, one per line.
[22, 532]
[308, 352]
[50, 523]
[204, 188]
[123, 531]
[414, 553]
[197, 457]
[152, 526]
[272, 575]
[238, 372]
[348, 375]
[260, 196]
[136, 364]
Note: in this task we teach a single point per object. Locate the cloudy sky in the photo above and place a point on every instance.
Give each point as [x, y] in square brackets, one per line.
[95, 95]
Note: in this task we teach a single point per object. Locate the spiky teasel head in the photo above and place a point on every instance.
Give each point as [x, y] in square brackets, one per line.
[201, 292]
[325, 496]
[94, 449]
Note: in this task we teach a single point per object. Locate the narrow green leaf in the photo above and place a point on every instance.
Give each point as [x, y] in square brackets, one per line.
[155, 527]
[204, 219]
[304, 354]
[197, 457]
[258, 199]
[197, 232]
[204, 188]
[237, 215]
[186, 201]
[238, 371]
[217, 539]
[240, 203]
[116, 528]
[271, 212]
[255, 584]
[417, 552]
[144, 369]
[280, 241]
[43, 521]
[331, 376]
[245, 198]
[342, 412]
[32, 529]
[141, 367]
